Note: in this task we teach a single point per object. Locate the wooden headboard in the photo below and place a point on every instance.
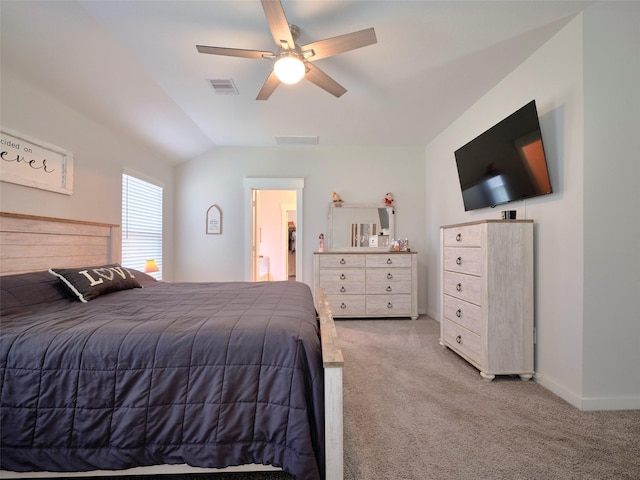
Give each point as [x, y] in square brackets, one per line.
[31, 243]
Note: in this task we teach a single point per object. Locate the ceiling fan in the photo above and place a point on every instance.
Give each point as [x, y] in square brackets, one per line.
[293, 59]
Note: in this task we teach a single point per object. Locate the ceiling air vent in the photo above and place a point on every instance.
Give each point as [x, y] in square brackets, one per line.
[297, 140]
[223, 86]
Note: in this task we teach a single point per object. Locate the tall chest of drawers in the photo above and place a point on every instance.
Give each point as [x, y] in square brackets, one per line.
[368, 285]
[487, 295]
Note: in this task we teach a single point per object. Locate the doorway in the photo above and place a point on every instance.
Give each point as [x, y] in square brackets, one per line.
[273, 250]
[275, 225]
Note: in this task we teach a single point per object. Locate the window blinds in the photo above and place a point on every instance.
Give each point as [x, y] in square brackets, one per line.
[141, 224]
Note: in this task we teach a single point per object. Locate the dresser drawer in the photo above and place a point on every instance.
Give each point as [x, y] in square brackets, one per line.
[346, 288]
[341, 275]
[387, 288]
[389, 305]
[463, 259]
[466, 287]
[388, 281]
[389, 260]
[463, 313]
[338, 261]
[388, 275]
[347, 305]
[463, 340]
[463, 236]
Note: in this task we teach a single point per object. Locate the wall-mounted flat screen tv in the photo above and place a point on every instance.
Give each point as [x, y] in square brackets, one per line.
[505, 163]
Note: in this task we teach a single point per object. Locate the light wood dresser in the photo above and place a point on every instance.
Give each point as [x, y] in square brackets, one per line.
[487, 295]
[368, 285]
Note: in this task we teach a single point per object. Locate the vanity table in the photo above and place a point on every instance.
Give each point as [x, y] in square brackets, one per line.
[361, 277]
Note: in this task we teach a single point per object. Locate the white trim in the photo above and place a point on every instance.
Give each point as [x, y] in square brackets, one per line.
[610, 403]
[588, 404]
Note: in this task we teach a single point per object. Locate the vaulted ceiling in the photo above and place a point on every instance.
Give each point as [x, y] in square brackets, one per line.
[133, 66]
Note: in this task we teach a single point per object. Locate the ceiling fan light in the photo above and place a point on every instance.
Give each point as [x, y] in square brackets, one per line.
[289, 68]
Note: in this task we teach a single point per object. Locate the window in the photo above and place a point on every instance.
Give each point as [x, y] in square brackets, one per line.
[141, 224]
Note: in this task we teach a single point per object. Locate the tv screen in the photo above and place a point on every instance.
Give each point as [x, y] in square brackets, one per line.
[505, 163]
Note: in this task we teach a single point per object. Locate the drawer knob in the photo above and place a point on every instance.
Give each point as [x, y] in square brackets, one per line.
[343, 305]
[342, 276]
[389, 305]
[459, 339]
[459, 237]
[389, 276]
[458, 313]
[342, 289]
[459, 287]
[389, 288]
[459, 261]
[342, 261]
[389, 261]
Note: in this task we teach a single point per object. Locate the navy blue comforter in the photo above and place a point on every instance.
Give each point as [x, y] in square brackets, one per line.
[207, 374]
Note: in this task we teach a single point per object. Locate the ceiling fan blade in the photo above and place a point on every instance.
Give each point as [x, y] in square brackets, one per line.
[324, 81]
[233, 52]
[269, 86]
[342, 43]
[278, 23]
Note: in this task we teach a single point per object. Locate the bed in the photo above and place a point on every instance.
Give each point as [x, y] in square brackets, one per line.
[157, 377]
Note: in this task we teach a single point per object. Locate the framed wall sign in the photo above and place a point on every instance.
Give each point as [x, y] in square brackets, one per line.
[214, 220]
[27, 161]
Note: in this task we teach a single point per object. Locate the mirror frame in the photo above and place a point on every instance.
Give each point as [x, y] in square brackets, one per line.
[330, 239]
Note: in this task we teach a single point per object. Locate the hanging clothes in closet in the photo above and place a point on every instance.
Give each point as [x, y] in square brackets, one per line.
[292, 238]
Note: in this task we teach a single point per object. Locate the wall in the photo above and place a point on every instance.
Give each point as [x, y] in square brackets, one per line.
[99, 159]
[359, 174]
[612, 206]
[573, 307]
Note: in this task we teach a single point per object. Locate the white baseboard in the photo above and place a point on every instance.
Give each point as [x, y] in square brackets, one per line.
[610, 403]
[588, 403]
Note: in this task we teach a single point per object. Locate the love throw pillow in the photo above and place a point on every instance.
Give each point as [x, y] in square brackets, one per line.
[88, 283]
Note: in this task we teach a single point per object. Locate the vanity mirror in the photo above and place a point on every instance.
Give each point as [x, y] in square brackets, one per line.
[354, 227]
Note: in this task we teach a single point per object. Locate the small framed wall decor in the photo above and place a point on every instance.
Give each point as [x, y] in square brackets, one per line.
[33, 163]
[214, 220]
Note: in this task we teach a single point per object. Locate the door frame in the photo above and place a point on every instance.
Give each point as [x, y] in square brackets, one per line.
[259, 183]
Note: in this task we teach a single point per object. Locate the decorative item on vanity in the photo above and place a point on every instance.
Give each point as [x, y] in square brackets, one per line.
[487, 295]
[321, 243]
[388, 199]
[508, 214]
[399, 245]
[335, 198]
[214, 220]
